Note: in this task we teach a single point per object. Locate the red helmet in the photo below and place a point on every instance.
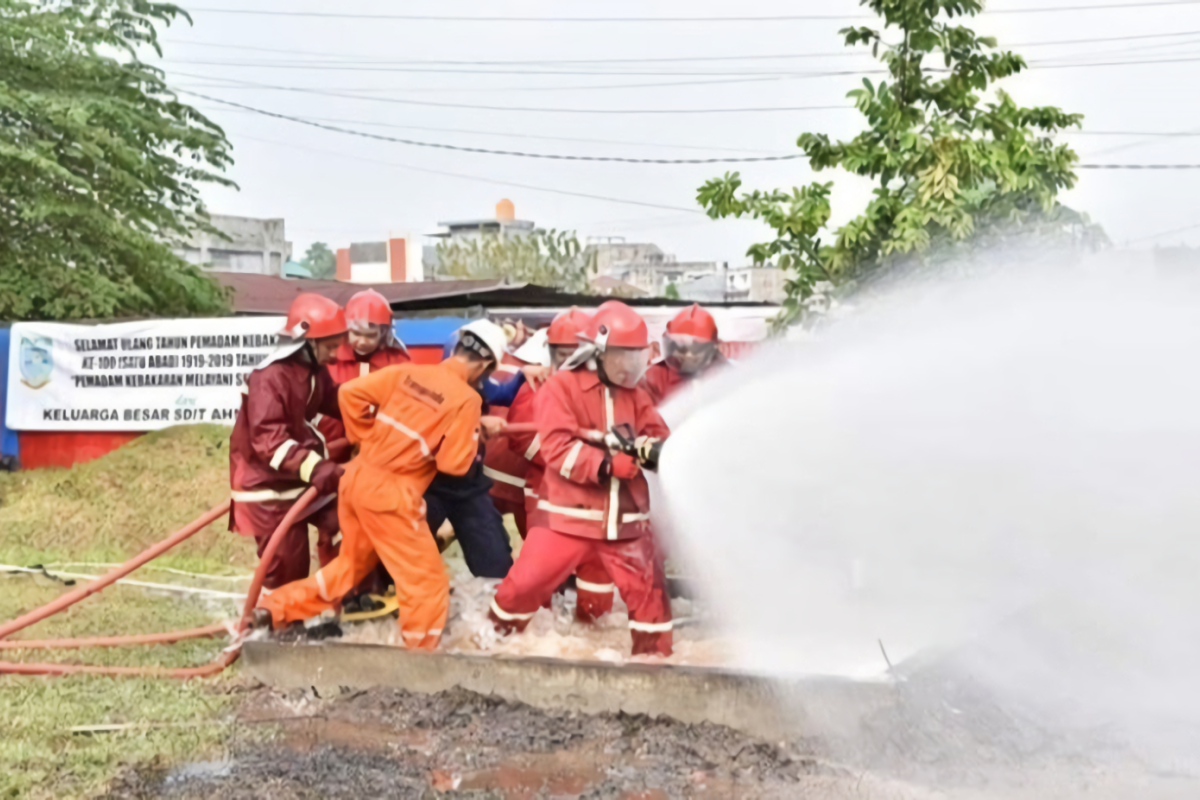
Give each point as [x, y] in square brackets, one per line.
[567, 327]
[314, 317]
[693, 321]
[617, 325]
[368, 307]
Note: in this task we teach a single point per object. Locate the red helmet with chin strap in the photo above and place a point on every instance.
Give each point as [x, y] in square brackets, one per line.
[312, 316]
[694, 321]
[617, 325]
[567, 327]
[368, 307]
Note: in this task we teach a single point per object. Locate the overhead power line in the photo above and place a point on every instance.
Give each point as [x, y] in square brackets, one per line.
[844, 53]
[487, 151]
[659, 20]
[477, 178]
[533, 109]
[1163, 233]
[610, 159]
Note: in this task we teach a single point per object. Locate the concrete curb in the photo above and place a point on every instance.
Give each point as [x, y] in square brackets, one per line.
[761, 707]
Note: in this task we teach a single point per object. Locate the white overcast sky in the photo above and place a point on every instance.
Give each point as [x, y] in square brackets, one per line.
[337, 188]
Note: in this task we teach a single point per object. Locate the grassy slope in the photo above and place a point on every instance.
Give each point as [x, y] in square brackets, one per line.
[108, 510]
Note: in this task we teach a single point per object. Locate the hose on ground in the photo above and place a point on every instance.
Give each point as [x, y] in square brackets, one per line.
[227, 656]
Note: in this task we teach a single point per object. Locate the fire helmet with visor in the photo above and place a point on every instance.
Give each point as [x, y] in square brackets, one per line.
[690, 342]
[622, 343]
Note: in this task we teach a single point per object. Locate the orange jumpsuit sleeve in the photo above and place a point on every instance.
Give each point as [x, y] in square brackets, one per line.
[361, 397]
[460, 443]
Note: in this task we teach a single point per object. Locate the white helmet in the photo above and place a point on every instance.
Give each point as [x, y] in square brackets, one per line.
[485, 338]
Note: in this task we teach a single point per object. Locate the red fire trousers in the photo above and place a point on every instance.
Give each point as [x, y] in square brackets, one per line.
[548, 558]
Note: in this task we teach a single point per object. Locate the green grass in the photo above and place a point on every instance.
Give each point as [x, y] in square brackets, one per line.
[108, 510]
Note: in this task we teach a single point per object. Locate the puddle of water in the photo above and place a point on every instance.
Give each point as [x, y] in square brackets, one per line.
[200, 771]
[553, 632]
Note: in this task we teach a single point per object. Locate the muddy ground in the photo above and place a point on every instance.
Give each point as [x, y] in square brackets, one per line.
[395, 744]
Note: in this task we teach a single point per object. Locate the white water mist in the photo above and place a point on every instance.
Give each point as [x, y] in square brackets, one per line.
[1007, 468]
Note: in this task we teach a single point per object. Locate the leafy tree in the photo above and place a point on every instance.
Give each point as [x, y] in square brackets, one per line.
[671, 292]
[320, 261]
[99, 166]
[546, 258]
[954, 174]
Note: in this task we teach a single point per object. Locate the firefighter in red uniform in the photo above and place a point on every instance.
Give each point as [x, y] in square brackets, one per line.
[514, 462]
[690, 348]
[275, 451]
[597, 432]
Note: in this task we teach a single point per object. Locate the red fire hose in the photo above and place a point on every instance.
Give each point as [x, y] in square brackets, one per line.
[227, 656]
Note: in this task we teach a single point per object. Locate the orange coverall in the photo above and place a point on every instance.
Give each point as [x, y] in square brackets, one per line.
[427, 422]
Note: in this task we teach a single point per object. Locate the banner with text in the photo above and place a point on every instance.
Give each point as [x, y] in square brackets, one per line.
[132, 376]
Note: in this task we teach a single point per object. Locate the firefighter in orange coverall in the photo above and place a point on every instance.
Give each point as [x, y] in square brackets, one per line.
[275, 451]
[597, 431]
[689, 351]
[411, 422]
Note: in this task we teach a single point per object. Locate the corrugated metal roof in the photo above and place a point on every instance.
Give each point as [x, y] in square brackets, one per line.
[267, 294]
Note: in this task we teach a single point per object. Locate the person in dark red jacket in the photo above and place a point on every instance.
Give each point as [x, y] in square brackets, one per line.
[593, 492]
[690, 349]
[275, 451]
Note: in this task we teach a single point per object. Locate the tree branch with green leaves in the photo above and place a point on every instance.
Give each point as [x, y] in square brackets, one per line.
[546, 258]
[954, 173]
[100, 165]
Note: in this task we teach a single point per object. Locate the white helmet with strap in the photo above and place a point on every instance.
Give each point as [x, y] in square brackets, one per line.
[485, 338]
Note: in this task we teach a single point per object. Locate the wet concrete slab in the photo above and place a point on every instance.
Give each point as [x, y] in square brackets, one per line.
[761, 707]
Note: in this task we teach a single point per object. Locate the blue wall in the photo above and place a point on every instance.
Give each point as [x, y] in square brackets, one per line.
[428, 332]
[8, 439]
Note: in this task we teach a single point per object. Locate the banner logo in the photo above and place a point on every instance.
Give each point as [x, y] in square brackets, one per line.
[36, 360]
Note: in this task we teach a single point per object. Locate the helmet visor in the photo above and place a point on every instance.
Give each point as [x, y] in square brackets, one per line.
[625, 366]
[688, 354]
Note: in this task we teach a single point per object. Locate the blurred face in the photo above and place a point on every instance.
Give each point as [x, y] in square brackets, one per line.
[560, 353]
[367, 339]
[688, 354]
[625, 366]
[325, 349]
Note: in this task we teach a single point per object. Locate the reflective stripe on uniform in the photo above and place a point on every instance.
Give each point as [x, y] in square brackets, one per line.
[281, 453]
[578, 513]
[506, 616]
[364, 369]
[310, 463]
[265, 495]
[530, 492]
[504, 477]
[651, 627]
[626, 518]
[321, 588]
[614, 491]
[407, 431]
[314, 423]
[594, 588]
[569, 463]
[534, 446]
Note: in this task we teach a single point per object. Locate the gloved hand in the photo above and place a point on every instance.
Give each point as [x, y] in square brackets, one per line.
[624, 467]
[340, 450]
[325, 476]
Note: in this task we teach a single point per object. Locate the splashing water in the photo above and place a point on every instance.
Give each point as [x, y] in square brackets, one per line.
[1007, 471]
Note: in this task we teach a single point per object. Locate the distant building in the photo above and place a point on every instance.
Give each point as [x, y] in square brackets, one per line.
[746, 284]
[396, 260]
[256, 246]
[645, 266]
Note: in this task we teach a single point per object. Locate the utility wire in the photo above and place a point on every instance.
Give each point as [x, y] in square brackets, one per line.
[476, 178]
[674, 59]
[576, 139]
[1162, 234]
[486, 151]
[534, 109]
[615, 159]
[653, 20]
